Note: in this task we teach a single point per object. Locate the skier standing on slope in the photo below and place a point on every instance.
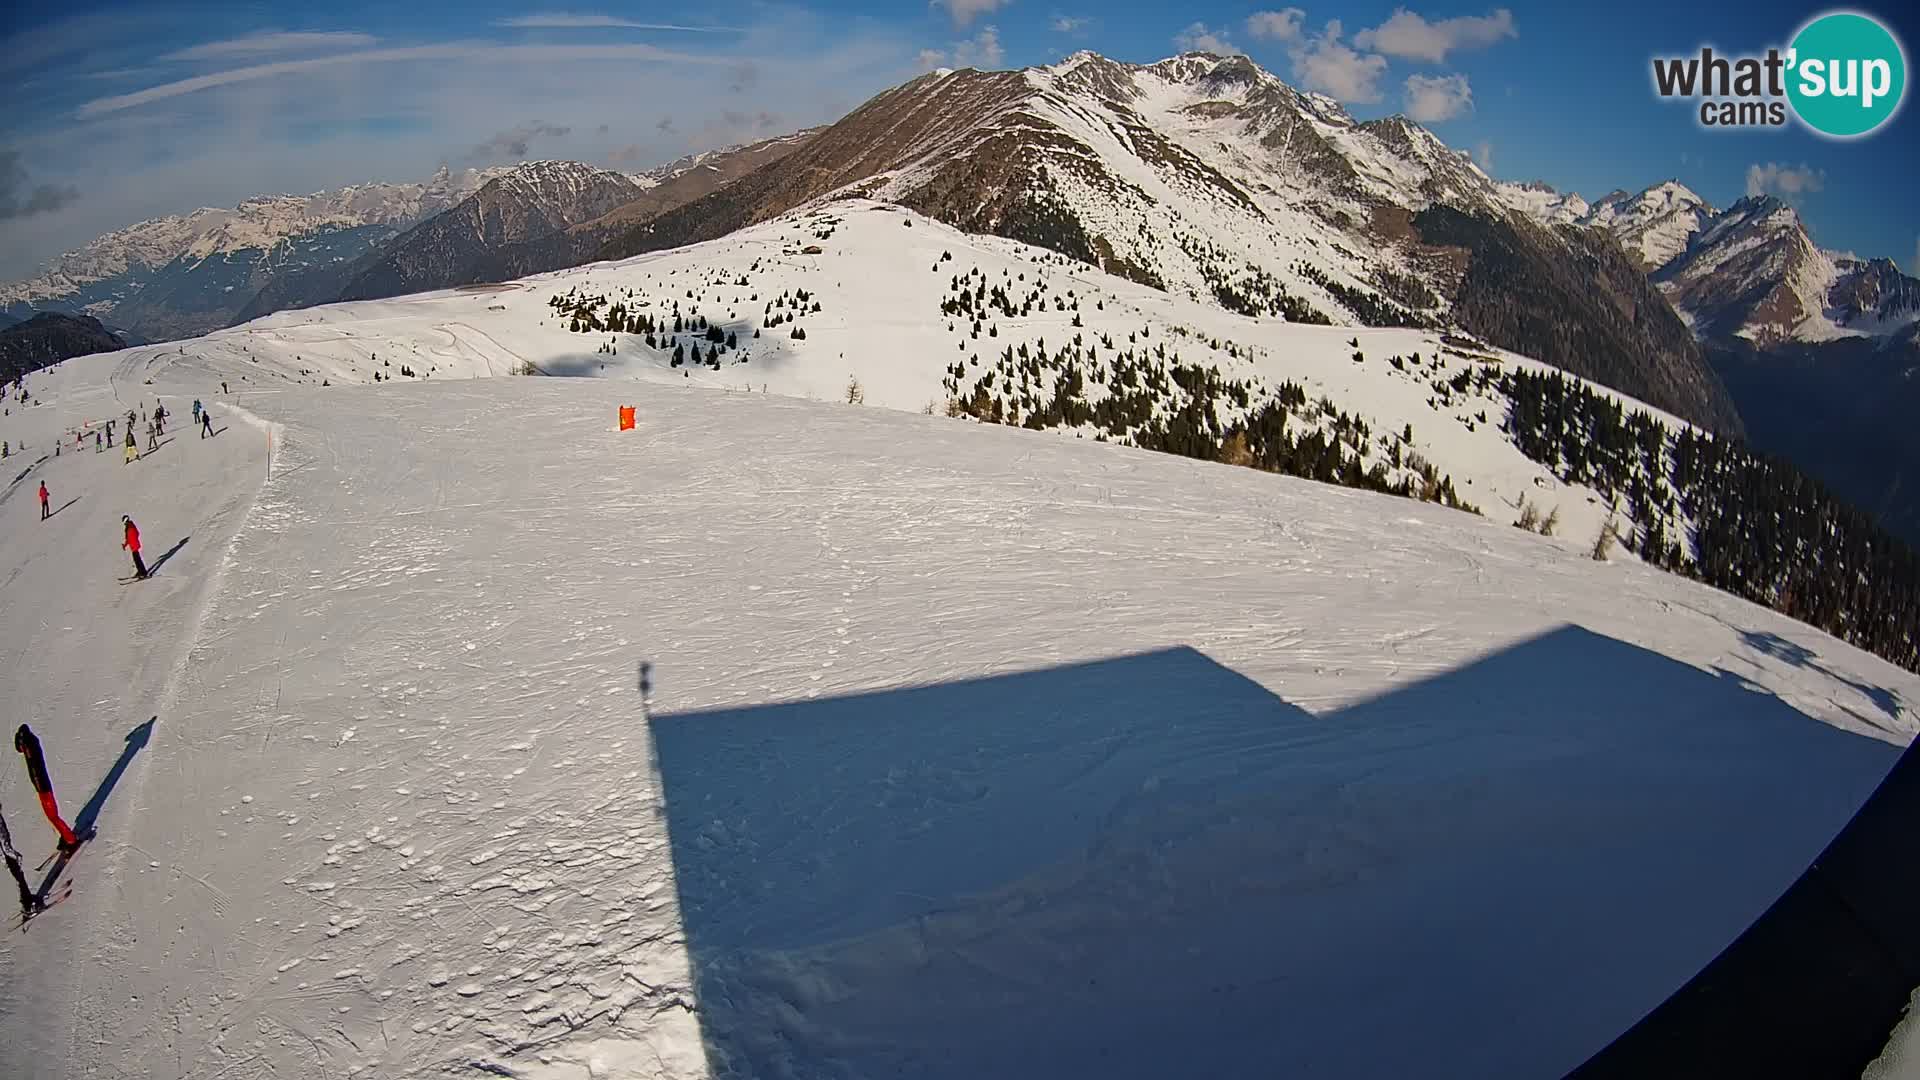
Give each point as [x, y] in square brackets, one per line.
[206, 423]
[44, 499]
[133, 448]
[29, 903]
[28, 744]
[132, 543]
[196, 410]
[153, 435]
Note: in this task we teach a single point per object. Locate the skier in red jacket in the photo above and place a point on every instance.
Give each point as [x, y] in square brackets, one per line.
[132, 544]
[28, 744]
[44, 497]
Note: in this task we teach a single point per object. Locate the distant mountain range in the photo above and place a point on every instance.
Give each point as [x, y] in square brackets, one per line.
[184, 275]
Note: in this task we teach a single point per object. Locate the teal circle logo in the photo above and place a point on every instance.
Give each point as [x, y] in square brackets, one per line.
[1847, 74]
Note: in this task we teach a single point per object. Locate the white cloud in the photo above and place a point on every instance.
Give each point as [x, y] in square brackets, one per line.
[1785, 181]
[1326, 64]
[965, 11]
[1483, 156]
[1070, 24]
[1198, 38]
[260, 44]
[1409, 36]
[1276, 25]
[980, 51]
[560, 20]
[1438, 98]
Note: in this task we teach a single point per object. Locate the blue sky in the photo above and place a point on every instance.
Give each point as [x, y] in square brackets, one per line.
[119, 112]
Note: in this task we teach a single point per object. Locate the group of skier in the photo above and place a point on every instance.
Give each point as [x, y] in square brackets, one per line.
[24, 740]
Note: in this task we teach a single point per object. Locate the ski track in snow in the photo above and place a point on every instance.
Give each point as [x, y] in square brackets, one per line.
[403, 813]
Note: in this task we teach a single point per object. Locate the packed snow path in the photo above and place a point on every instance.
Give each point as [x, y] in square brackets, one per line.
[87, 658]
[974, 751]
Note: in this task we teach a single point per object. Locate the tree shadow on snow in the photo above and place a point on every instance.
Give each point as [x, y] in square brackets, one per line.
[1150, 866]
[83, 823]
[1792, 652]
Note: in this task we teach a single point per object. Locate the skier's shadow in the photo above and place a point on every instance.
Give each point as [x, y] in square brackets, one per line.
[83, 822]
[168, 554]
[63, 506]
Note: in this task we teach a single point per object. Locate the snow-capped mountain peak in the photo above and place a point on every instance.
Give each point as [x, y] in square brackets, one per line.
[1542, 203]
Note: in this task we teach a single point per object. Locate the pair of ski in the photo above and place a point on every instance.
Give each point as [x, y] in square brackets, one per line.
[63, 892]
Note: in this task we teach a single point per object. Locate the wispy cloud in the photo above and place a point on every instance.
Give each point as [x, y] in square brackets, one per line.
[1483, 156]
[1281, 25]
[514, 145]
[1070, 24]
[964, 12]
[1409, 36]
[560, 20]
[20, 198]
[120, 73]
[1788, 182]
[1199, 37]
[1433, 99]
[412, 54]
[262, 44]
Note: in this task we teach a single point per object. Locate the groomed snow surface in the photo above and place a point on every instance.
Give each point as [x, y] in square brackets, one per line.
[972, 751]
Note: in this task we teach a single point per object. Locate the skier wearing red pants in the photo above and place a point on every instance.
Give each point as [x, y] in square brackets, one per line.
[28, 744]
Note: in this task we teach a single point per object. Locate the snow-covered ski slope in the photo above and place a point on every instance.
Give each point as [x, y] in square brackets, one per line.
[971, 751]
[880, 276]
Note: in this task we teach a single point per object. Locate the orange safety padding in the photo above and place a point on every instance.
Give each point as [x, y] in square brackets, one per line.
[626, 418]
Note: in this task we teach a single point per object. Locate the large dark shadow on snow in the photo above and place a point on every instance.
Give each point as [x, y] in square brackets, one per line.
[1151, 866]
